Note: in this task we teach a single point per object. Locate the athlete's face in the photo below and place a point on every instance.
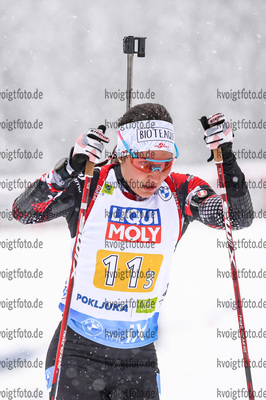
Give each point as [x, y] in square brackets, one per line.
[144, 182]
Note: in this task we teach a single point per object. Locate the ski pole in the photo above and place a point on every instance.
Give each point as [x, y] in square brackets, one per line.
[62, 337]
[129, 49]
[218, 158]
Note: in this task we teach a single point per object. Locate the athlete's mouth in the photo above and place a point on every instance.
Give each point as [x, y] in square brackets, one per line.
[149, 186]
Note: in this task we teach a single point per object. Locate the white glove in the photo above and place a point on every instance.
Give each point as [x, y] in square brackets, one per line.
[217, 131]
[88, 147]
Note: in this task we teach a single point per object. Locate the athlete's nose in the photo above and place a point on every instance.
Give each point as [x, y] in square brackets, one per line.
[155, 174]
[154, 168]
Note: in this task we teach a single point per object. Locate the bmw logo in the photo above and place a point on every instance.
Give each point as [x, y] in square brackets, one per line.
[165, 193]
[92, 327]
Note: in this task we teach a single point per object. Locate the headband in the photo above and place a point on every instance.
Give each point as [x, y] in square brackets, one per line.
[141, 136]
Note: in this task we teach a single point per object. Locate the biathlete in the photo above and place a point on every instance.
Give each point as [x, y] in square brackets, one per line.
[141, 211]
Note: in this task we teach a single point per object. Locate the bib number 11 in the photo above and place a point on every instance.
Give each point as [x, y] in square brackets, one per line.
[124, 273]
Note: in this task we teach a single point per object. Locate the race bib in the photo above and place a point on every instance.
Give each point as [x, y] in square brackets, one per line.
[126, 272]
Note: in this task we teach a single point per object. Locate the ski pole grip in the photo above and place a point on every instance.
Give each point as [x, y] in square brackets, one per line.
[89, 168]
[218, 155]
[89, 165]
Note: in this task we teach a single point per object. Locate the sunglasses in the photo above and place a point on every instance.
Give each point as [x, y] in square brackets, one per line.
[146, 164]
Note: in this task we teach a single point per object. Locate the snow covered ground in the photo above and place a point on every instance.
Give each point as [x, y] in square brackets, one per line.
[194, 362]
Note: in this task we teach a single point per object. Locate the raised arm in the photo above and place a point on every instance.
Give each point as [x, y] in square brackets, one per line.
[200, 202]
[58, 192]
